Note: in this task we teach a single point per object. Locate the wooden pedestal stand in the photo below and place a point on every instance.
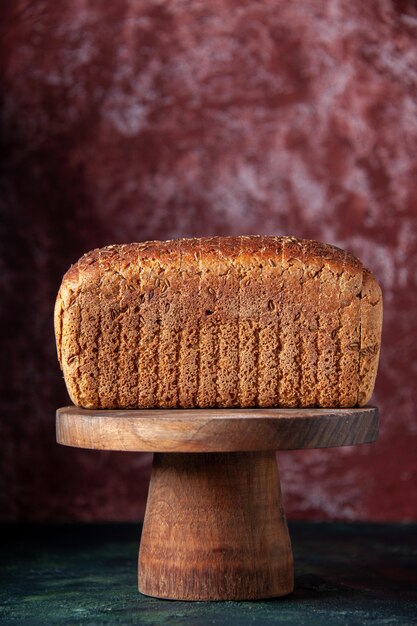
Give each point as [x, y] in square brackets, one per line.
[215, 526]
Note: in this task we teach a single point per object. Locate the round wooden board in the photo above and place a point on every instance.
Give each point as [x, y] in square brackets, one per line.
[215, 430]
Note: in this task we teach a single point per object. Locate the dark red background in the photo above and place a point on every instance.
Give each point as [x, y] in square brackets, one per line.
[140, 119]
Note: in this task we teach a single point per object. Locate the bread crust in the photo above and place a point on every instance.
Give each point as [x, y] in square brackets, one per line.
[219, 322]
[370, 335]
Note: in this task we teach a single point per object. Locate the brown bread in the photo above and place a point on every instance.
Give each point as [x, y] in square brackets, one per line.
[219, 322]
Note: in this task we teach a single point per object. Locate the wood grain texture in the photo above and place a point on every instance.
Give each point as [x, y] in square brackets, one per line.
[215, 529]
[215, 430]
[215, 525]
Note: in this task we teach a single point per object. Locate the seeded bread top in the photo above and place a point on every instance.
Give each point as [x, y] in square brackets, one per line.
[269, 248]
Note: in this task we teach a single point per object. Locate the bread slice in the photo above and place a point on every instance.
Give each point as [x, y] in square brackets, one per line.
[219, 322]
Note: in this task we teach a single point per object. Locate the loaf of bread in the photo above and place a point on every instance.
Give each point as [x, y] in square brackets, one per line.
[219, 322]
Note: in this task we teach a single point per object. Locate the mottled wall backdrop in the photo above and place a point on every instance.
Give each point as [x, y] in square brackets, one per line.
[142, 119]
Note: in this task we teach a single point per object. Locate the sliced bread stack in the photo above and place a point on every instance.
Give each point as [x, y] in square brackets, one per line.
[219, 322]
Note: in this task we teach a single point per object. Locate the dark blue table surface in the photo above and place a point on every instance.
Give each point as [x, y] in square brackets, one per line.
[86, 574]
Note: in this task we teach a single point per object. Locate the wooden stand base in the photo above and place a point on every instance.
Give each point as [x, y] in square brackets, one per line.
[215, 528]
